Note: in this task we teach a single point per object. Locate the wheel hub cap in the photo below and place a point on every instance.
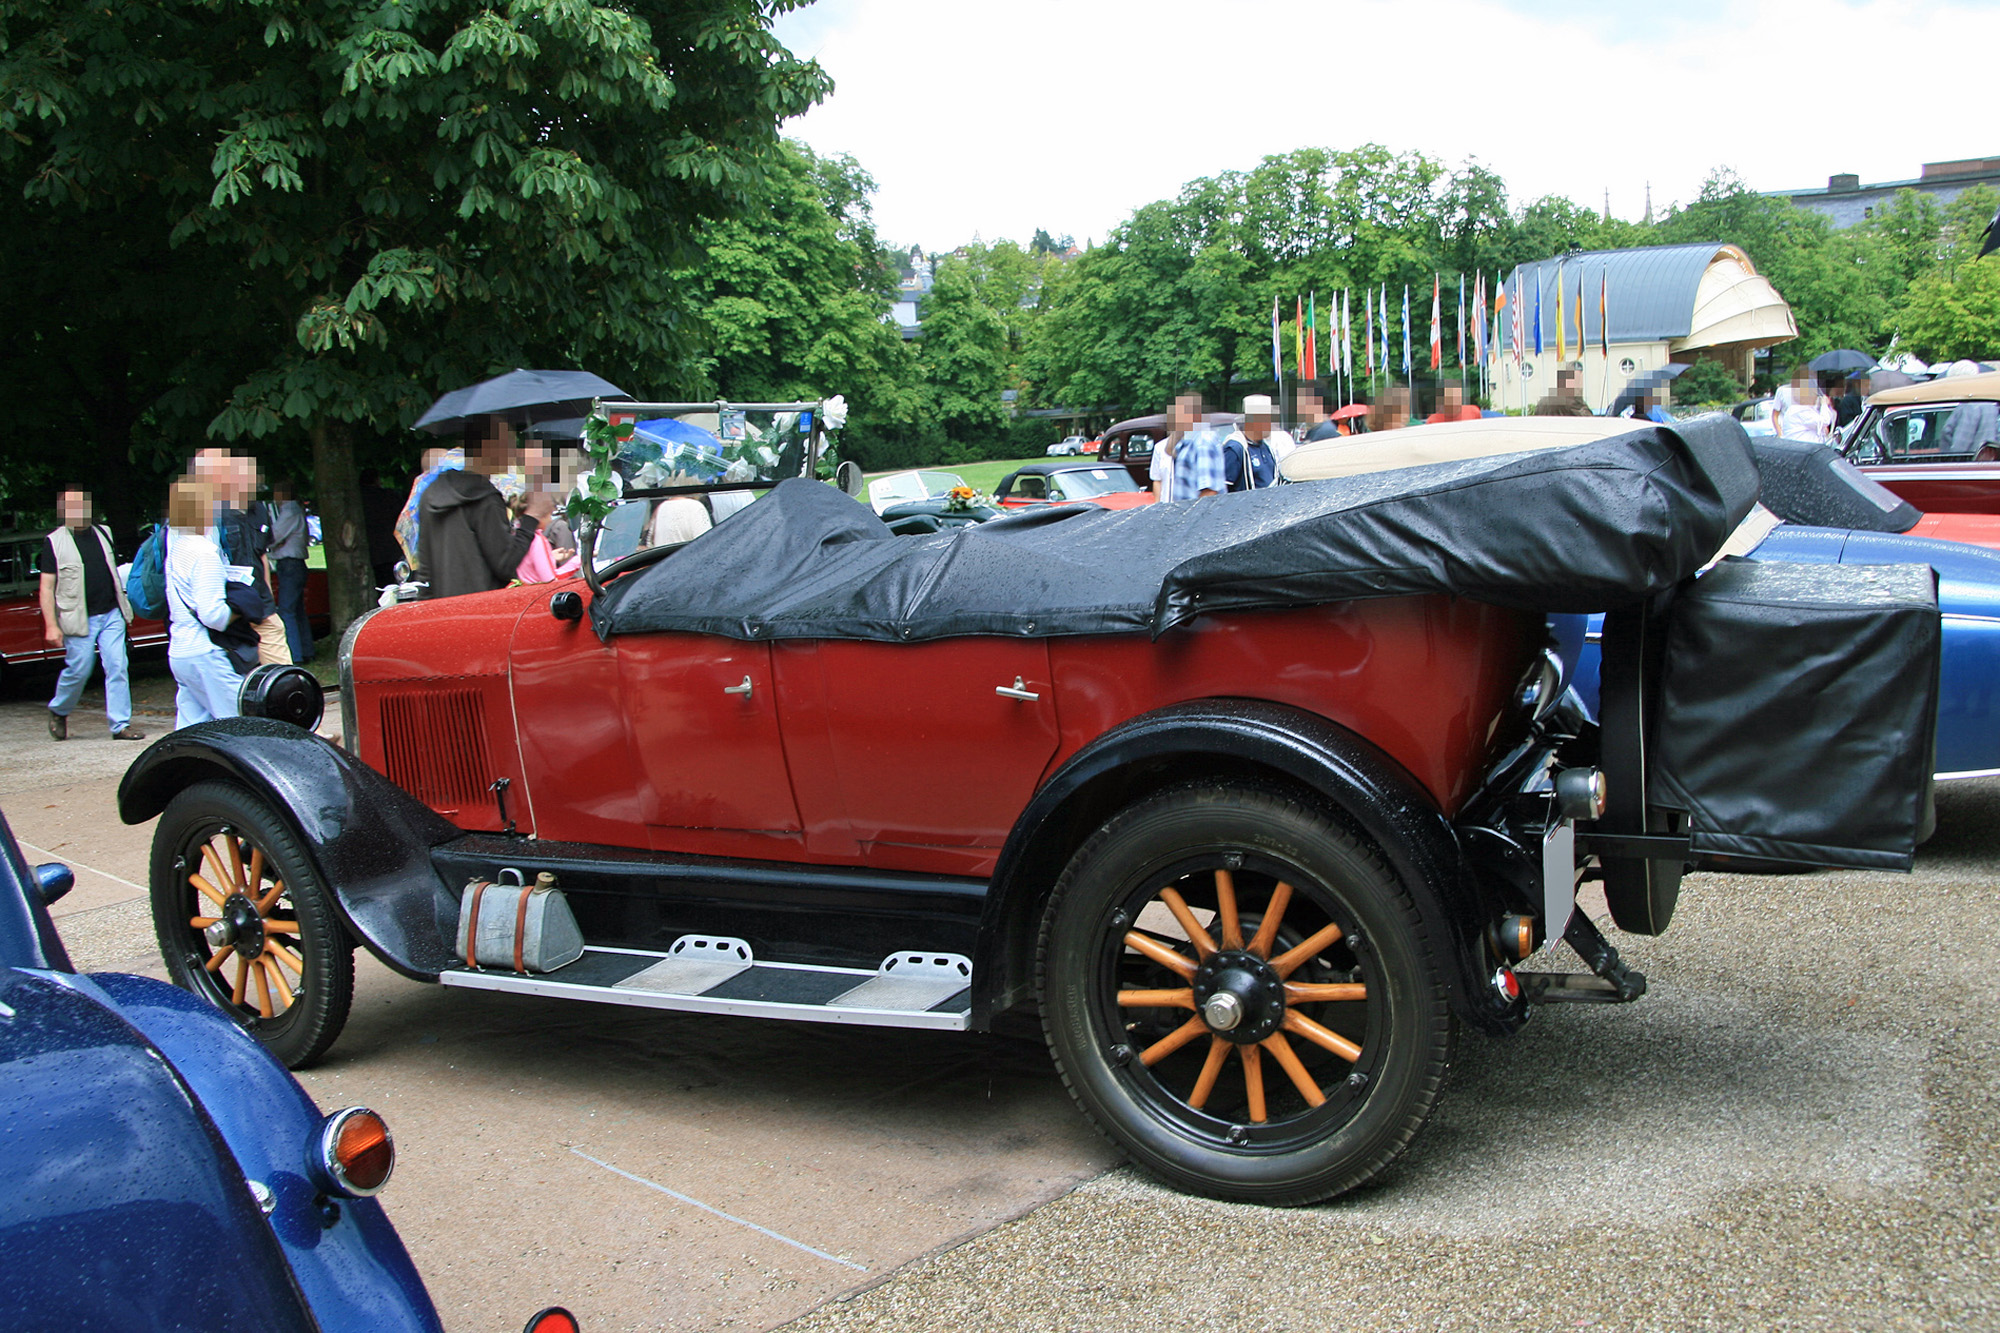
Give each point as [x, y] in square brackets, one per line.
[245, 926]
[1239, 996]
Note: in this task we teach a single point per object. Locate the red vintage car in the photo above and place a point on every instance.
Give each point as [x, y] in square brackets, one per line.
[21, 641]
[1038, 484]
[1937, 444]
[1251, 817]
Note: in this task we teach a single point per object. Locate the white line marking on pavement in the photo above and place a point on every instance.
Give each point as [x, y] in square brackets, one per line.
[727, 1217]
[78, 865]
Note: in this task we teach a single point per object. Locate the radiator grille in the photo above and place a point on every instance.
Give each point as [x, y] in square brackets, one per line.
[434, 742]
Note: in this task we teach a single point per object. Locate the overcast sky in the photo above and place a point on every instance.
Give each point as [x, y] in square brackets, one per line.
[1068, 114]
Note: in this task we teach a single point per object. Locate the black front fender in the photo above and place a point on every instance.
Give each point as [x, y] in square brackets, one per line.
[1223, 740]
[370, 840]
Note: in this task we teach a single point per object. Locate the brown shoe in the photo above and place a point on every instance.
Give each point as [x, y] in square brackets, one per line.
[128, 734]
[58, 727]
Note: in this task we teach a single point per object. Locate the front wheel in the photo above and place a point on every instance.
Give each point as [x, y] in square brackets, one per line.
[243, 920]
[1238, 992]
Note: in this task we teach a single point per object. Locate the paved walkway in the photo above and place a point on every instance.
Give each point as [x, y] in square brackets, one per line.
[1798, 1128]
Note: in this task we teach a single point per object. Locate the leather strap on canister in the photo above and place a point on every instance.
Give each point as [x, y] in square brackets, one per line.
[472, 926]
[521, 930]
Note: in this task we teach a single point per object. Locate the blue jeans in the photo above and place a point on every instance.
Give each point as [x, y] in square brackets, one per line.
[208, 687]
[104, 640]
[290, 574]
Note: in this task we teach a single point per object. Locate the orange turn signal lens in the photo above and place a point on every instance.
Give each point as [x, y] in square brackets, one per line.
[353, 1153]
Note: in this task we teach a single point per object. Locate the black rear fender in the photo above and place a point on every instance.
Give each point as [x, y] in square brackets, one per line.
[370, 840]
[1239, 740]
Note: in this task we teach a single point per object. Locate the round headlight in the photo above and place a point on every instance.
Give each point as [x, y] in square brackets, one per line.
[352, 1155]
[283, 693]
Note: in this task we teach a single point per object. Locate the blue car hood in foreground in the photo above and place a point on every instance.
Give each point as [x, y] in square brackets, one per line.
[120, 1207]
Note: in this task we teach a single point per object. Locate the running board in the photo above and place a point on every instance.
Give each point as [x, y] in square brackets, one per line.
[707, 974]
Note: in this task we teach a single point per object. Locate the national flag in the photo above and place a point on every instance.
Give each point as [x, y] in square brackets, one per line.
[1437, 323]
[1461, 320]
[1299, 335]
[1479, 324]
[1562, 320]
[1312, 336]
[1538, 310]
[1406, 330]
[1347, 336]
[1518, 316]
[1604, 312]
[1382, 309]
[1277, 368]
[1368, 330]
[1581, 341]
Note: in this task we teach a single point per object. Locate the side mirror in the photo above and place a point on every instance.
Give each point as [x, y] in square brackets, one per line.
[52, 880]
[848, 477]
[567, 605]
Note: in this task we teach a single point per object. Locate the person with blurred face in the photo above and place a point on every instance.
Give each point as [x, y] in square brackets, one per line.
[84, 613]
[470, 538]
[1801, 411]
[1196, 451]
[242, 530]
[1313, 421]
[1451, 405]
[1250, 456]
[1391, 411]
[198, 603]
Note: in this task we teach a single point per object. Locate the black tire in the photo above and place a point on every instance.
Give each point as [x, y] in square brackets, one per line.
[1350, 921]
[313, 961]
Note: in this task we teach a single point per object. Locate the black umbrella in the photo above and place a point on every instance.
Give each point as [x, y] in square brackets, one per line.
[1842, 359]
[1992, 235]
[545, 393]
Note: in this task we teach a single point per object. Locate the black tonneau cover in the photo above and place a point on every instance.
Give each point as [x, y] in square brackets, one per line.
[1578, 529]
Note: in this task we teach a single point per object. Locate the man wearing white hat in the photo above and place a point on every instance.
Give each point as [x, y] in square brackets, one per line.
[1252, 451]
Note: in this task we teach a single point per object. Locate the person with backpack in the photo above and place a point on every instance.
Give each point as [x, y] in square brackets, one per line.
[198, 608]
[242, 533]
[84, 613]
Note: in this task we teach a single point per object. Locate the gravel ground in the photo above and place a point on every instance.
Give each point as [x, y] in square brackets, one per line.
[1795, 1129]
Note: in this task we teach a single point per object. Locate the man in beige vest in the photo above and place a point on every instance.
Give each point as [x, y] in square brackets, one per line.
[84, 612]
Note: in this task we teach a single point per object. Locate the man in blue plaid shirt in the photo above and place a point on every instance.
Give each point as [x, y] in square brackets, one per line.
[1198, 457]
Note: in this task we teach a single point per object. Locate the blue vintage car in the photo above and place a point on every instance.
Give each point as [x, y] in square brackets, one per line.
[159, 1170]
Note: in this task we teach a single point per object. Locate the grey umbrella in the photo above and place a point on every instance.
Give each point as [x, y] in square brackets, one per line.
[1879, 380]
[1842, 359]
[529, 393]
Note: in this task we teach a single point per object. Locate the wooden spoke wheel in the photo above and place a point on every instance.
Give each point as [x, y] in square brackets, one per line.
[1236, 989]
[243, 920]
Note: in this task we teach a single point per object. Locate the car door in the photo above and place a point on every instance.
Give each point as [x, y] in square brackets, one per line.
[702, 717]
[935, 747]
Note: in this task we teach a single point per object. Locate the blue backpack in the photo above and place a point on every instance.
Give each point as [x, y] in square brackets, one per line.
[146, 581]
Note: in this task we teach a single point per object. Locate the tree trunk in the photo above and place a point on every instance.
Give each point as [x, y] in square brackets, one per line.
[337, 490]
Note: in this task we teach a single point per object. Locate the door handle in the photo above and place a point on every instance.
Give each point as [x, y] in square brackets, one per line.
[743, 689]
[1018, 690]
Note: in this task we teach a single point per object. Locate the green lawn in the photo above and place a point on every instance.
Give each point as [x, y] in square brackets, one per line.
[981, 477]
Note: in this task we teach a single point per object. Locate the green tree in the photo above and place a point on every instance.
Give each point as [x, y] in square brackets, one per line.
[963, 351]
[1706, 383]
[394, 199]
[793, 295]
[1951, 315]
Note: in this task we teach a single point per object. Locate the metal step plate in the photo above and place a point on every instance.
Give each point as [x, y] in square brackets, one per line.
[719, 975]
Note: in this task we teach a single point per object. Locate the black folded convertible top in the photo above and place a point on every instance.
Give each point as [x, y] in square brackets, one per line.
[1586, 528]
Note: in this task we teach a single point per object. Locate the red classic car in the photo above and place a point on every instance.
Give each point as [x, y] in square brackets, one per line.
[1937, 444]
[21, 641]
[1038, 484]
[1251, 816]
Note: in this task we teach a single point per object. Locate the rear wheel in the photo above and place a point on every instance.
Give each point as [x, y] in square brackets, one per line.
[1236, 990]
[243, 920]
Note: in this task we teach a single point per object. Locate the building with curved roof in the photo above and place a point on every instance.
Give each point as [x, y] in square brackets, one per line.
[1663, 304]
